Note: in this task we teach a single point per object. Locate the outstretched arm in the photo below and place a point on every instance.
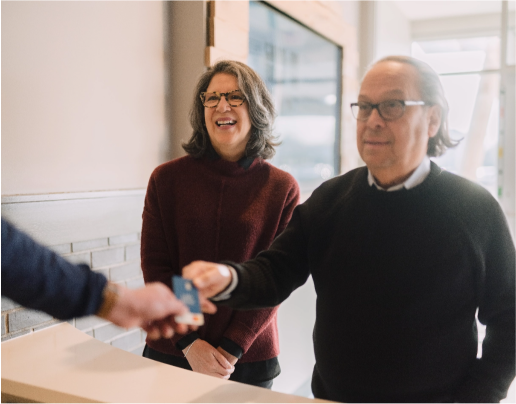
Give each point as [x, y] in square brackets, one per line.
[152, 308]
[38, 278]
[265, 281]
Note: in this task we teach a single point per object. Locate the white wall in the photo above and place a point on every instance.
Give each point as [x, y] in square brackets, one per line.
[506, 165]
[82, 95]
[393, 31]
[296, 319]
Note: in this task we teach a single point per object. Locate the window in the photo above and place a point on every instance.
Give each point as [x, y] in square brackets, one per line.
[470, 73]
[303, 72]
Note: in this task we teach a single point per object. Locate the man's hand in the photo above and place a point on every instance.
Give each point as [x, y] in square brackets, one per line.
[231, 359]
[208, 277]
[204, 358]
[152, 308]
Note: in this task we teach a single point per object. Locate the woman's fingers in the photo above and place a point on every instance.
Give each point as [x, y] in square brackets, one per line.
[204, 358]
[223, 362]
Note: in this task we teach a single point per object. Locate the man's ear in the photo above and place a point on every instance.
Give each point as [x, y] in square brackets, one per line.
[434, 120]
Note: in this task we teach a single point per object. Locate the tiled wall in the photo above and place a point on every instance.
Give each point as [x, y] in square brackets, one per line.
[118, 258]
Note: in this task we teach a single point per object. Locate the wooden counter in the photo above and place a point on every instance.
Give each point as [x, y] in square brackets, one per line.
[62, 364]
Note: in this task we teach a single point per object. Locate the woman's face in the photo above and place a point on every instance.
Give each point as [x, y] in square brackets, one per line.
[229, 127]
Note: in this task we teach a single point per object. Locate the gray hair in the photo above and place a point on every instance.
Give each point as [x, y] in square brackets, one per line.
[260, 105]
[432, 93]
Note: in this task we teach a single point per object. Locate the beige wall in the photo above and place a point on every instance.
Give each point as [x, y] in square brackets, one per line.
[82, 95]
[185, 58]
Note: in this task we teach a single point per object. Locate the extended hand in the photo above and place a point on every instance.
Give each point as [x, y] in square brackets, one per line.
[208, 277]
[153, 308]
[204, 358]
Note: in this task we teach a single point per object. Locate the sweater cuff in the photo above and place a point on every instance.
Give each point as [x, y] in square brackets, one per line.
[231, 347]
[187, 340]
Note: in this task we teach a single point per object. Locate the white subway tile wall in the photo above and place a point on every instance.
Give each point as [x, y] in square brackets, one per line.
[62, 248]
[89, 245]
[128, 238]
[107, 256]
[132, 251]
[27, 318]
[117, 258]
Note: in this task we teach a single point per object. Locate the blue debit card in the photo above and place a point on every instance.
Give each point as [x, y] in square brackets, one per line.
[185, 291]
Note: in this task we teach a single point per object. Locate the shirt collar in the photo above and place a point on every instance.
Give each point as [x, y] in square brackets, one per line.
[416, 178]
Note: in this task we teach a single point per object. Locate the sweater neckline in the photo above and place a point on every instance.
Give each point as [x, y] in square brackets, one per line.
[435, 171]
[230, 168]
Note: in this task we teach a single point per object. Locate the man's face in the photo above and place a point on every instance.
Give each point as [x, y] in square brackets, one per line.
[394, 148]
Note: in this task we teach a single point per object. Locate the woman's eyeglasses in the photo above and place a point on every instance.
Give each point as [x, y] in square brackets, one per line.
[234, 98]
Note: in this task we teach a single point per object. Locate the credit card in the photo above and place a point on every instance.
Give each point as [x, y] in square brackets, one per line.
[185, 291]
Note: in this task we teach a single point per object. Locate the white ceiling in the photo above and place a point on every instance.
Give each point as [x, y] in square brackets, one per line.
[423, 10]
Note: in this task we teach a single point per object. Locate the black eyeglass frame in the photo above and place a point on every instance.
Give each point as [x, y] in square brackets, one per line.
[220, 95]
[404, 103]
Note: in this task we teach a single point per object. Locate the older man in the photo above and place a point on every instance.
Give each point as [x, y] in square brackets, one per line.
[402, 255]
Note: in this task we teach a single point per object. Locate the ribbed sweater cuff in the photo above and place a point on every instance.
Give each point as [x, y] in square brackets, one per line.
[187, 340]
[231, 347]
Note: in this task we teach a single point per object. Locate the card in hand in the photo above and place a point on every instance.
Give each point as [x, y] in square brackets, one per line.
[185, 291]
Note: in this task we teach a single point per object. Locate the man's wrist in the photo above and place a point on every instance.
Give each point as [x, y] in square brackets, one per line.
[110, 297]
[226, 293]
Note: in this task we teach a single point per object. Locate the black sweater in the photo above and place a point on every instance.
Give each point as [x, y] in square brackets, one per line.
[399, 277]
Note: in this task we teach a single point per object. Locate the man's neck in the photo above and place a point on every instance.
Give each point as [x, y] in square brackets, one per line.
[387, 179]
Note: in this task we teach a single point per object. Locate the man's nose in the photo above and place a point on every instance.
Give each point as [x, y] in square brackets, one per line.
[223, 104]
[375, 118]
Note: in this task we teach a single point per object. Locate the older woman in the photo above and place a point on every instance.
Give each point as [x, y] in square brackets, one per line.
[222, 201]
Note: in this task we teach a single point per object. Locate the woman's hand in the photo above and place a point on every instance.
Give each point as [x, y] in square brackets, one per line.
[204, 358]
[208, 277]
[231, 359]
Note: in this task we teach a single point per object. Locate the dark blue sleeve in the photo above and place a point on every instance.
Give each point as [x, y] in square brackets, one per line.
[38, 278]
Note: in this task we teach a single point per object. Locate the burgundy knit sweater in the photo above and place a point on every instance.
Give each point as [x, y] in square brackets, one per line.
[213, 210]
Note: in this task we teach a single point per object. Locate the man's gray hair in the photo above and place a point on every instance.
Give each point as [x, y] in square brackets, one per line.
[259, 103]
[432, 93]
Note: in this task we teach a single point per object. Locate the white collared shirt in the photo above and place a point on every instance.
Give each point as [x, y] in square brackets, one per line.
[416, 178]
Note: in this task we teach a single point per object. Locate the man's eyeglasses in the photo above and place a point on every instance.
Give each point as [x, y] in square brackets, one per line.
[389, 110]
[234, 98]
